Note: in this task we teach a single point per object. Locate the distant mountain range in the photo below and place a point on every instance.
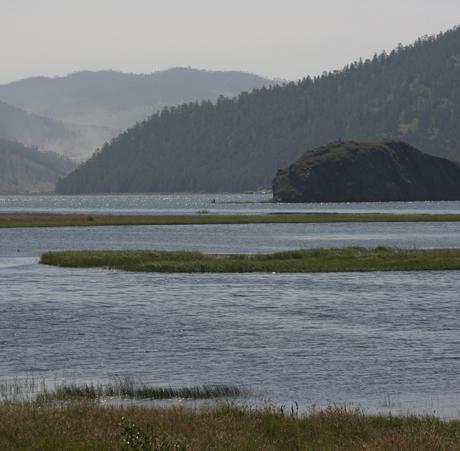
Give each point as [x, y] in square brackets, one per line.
[92, 107]
[26, 170]
[413, 94]
[76, 142]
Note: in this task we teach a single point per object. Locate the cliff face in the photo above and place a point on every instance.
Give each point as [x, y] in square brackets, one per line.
[367, 172]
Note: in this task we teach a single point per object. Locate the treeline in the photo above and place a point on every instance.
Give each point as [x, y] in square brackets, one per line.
[237, 144]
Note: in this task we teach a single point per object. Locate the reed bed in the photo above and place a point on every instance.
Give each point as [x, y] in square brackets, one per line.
[21, 390]
[13, 220]
[132, 390]
[352, 259]
[41, 391]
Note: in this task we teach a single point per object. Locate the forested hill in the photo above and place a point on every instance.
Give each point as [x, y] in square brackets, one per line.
[413, 93]
[26, 170]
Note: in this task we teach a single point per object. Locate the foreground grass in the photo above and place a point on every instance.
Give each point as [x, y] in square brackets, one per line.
[80, 426]
[10, 220]
[314, 260]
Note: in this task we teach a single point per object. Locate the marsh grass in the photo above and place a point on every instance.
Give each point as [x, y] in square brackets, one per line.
[41, 391]
[89, 426]
[21, 390]
[11, 220]
[67, 417]
[352, 259]
[128, 389]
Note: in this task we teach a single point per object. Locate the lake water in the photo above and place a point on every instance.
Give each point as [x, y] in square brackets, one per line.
[383, 341]
[191, 203]
[229, 238]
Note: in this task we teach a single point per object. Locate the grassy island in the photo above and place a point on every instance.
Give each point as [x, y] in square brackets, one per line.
[352, 259]
[10, 220]
[91, 426]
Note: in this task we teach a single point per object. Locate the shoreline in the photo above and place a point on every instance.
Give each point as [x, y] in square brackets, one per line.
[30, 220]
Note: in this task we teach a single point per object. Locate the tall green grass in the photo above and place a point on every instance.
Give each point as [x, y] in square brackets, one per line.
[89, 426]
[353, 259]
[41, 391]
[206, 217]
[127, 389]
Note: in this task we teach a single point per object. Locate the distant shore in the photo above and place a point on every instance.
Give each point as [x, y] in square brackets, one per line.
[303, 261]
[15, 220]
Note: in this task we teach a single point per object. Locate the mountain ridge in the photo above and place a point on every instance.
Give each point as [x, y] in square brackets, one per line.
[31, 129]
[118, 100]
[27, 170]
[413, 94]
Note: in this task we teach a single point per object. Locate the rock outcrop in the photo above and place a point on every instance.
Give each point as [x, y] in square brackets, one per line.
[389, 170]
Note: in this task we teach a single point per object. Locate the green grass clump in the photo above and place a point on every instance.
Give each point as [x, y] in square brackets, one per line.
[129, 389]
[89, 426]
[12, 220]
[32, 390]
[353, 259]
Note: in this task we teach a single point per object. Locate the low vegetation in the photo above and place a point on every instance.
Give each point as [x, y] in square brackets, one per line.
[34, 416]
[32, 390]
[90, 426]
[132, 390]
[353, 259]
[10, 220]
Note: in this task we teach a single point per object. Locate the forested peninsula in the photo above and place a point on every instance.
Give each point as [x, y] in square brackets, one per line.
[238, 144]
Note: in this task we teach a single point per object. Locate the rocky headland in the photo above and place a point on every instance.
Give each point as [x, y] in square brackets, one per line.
[389, 170]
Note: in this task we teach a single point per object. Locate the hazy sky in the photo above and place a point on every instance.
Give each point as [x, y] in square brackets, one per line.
[285, 39]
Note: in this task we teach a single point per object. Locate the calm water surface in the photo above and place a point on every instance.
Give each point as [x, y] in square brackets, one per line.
[191, 203]
[229, 238]
[384, 341]
[378, 340]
